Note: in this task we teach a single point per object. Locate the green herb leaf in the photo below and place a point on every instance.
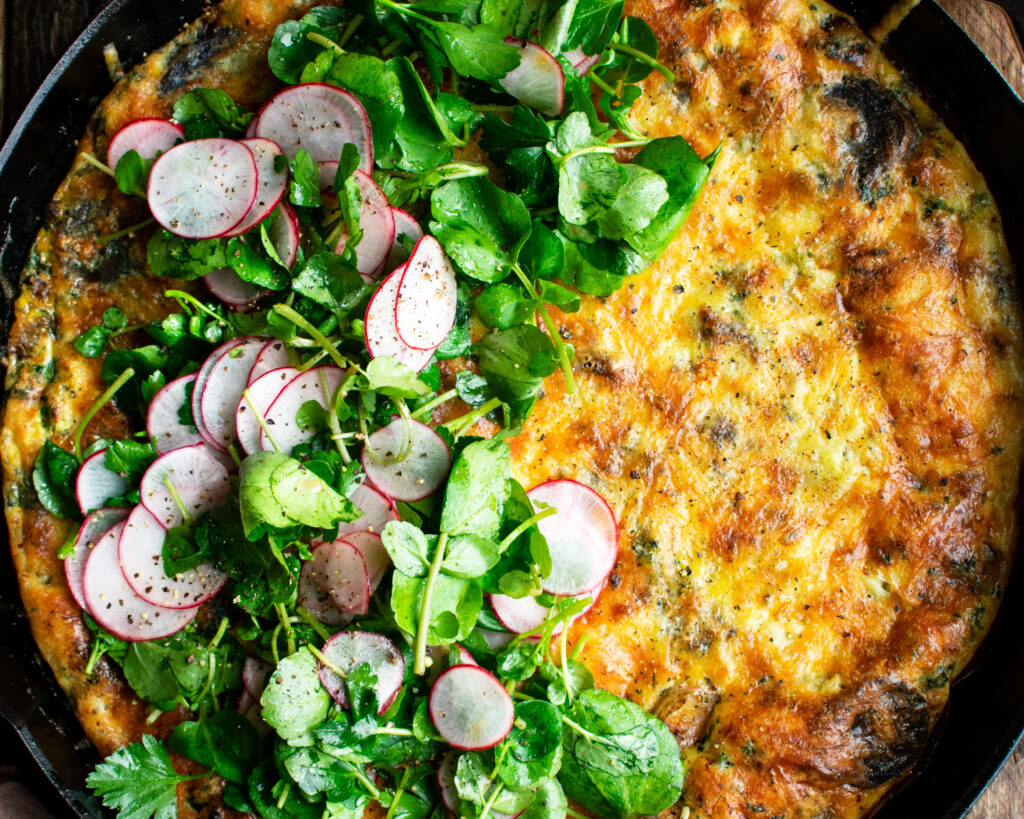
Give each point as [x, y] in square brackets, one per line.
[224, 741]
[138, 781]
[501, 306]
[304, 188]
[477, 489]
[470, 556]
[294, 701]
[132, 174]
[532, 754]
[515, 363]
[407, 547]
[53, 478]
[291, 49]
[389, 377]
[480, 51]
[209, 112]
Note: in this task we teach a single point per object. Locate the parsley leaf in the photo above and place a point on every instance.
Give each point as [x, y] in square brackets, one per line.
[138, 781]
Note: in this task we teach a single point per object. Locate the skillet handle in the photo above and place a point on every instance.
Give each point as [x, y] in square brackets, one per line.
[995, 27]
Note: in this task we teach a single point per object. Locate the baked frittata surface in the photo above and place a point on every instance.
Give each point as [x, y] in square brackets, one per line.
[806, 415]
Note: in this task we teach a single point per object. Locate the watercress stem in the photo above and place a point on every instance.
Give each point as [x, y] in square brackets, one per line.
[549, 324]
[295, 318]
[326, 42]
[313, 623]
[332, 417]
[493, 109]
[178, 501]
[522, 527]
[109, 393]
[408, 12]
[98, 165]
[646, 59]
[596, 80]
[326, 663]
[420, 664]
[184, 298]
[289, 634]
[398, 793]
[565, 614]
[565, 663]
[459, 425]
[498, 788]
[260, 419]
[350, 29]
[128, 231]
[578, 648]
[94, 655]
[427, 408]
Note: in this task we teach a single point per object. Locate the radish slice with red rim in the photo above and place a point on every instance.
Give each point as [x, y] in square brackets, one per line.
[203, 189]
[113, 604]
[328, 172]
[319, 384]
[375, 556]
[582, 536]
[538, 80]
[378, 511]
[273, 356]
[95, 484]
[226, 285]
[222, 390]
[95, 526]
[283, 231]
[495, 639]
[427, 297]
[164, 417]
[200, 482]
[381, 332]
[580, 61]
[200, 384]
[439, 659]
[422, 470]
[521, 614]
[273, 181]
[348, 650]
[257, 398]
[320, 118]
[407, 227]
[377, 223]
[446, 781]
[335, 578]
[470, 708]
[148, 137]
[254, 676]
[140, 553]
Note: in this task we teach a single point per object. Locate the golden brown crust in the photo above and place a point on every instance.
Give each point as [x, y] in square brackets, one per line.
[805, 415]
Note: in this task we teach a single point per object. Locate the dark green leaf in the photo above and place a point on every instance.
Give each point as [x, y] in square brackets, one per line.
[224, 741]
[304, 188]
[477, 489]
[138, 781]
[501, 306]
[294, 701]
[480, 51]
[207, 112]
[92, 342]
[515, 363]
[408, 548]
[53, 478]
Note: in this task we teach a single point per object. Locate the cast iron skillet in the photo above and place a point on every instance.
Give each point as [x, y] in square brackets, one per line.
[985, 717]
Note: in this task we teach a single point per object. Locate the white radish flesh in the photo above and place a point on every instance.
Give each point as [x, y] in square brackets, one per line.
[197, 390]
[377, 223]
[335, 577]
[348, 650]
[538, 80]
[319, 384]
[283, 231]
[222, 390]
[255, 403]
[95, 484]
[525, 613]
[446, 781]
[95, 526]
[254, 676]
[378, 511]
[203, 189]
[580, 61]
[273, 182]
[191, 476]
[163, 420]
[420, 472]
[375, 556]
[148, 137]
[273, 356]
[140, 552]
[226, 285]
[470, 709]
[381, 332]
[495, 639]
[319, 118]
[113, 604]
[405, 226]
[427, 297]
[582, 536]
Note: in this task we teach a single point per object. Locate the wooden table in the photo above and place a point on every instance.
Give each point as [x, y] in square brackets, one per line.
[36, 32]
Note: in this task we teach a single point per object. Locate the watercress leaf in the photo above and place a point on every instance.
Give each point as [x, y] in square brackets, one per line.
[178, 258]
[617, 108]
[472, 388]
[419, 142]
[316, 772]
[92, 342]
[306, 498]
[469, 556]
[181, 552]
[458, 112]
[599, 268]
[114, 318]
[453, 608]
[636, 203]
[501, 306]
[224, 741]
[525, 129]
[549, 802]
[542, 256]
[532, 754]
[312, 416]
[256, 499]
[216, 108]
[138, 781]
[593, 24]
[291, 48]
[480, 225]
[588, 184]
[304, 188]
[480, 51]
[458, 341]
[129, 459]
[332, 283]
[517, 583]
[247, 256]
[625, 68]
[270, 799]
[294, 701]
[685, 174]
[389, 377]
[477, 489]
[132, 174]
[377, 87]
[515, 363]
[53, 478]
[552, 293]
[407, 547]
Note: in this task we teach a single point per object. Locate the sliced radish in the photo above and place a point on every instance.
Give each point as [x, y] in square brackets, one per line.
[96, 525]
[197, 389]
[113, 604]
[348, 650]
[538, 80]
[320, 118]
[375, 556]
[336, 577]
[254, 676]
[495, 639]
[227, 285]
[163, 419]
[273, 356]
[406, 226]
[283, 230]
[470, 709]
[199, 481]
[140, 553]
[419, 474]
[95, 484]
[319, 384]
[377, 223]
[255, 402]
[328, 172]
[580, 61]
[245, 701]
[377, 510]
[446, 781]
[222, 390]
[427, 297]
[381, 332]
[148, 137]
[203, 189]
[273, 181]
[582, 536]
[521, 614]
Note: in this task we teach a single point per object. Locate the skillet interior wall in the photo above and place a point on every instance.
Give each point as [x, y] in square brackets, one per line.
[986, 712]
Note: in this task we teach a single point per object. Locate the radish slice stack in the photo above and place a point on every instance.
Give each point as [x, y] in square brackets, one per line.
[255, 402]
[148, 137]
[283, 230]
[220, 389]
[418, 474]
[405, 226]
[273, 182]
[375, 556]
[189, 476]
[334, 585]
[95, 484]
[273, 355]
[319, 384]
[348, 650]
[377, 223]
[95, 526]
[377, 509]
[538, 80]
[163, 420]
[470, 709]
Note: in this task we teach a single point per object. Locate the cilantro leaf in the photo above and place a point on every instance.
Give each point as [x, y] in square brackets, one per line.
[138, 781]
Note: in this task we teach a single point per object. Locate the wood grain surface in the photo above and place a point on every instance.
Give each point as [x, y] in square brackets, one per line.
[34, 33]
